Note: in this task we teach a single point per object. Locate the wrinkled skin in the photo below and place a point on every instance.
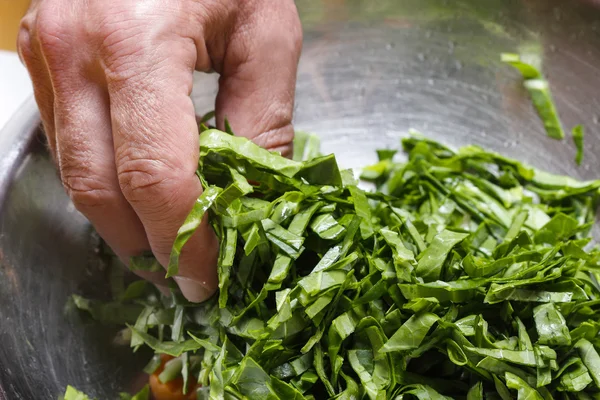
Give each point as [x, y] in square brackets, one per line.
[112, 80]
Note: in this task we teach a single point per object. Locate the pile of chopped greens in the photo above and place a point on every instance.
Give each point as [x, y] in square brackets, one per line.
[466, 274]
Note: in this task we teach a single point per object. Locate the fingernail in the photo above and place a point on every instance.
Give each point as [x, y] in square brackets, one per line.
[194, 291]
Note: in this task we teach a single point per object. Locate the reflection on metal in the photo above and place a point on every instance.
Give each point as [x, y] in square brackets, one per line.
[370, 71]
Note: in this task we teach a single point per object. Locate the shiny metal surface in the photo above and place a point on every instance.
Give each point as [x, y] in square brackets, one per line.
[47, 253]
[370, 71]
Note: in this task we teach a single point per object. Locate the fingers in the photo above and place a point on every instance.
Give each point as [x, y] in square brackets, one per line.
[87, 168]
[83, 139]
[88, 172]
[156, 152]
[258, 77]
[74, 106]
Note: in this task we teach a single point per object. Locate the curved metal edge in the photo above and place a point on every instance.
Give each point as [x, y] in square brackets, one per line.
[15, 140]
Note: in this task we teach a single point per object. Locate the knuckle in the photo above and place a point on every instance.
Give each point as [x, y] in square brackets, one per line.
[86, 192]
[83, 179]
[146, 182]
[275, 124]
[24, 39]
[276, 116]
[122, 56]
[280, 137]
[53, 31]
[121, 37]
[124, 40]
[135, 43]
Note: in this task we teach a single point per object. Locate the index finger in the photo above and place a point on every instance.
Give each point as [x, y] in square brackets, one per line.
[156, 153]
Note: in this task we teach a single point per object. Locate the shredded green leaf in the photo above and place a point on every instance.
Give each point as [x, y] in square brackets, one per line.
[539, 91]
[464, 275]
[578, 135]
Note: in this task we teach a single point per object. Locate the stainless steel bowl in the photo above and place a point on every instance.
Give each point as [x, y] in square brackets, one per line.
[370, 71]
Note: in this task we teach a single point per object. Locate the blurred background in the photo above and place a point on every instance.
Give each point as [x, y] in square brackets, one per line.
[14, 81]
[11, 12]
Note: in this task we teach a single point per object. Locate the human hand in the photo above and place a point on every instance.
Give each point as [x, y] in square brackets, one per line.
[112, 80]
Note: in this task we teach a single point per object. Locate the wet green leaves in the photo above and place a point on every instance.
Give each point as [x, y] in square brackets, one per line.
[463, 276]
